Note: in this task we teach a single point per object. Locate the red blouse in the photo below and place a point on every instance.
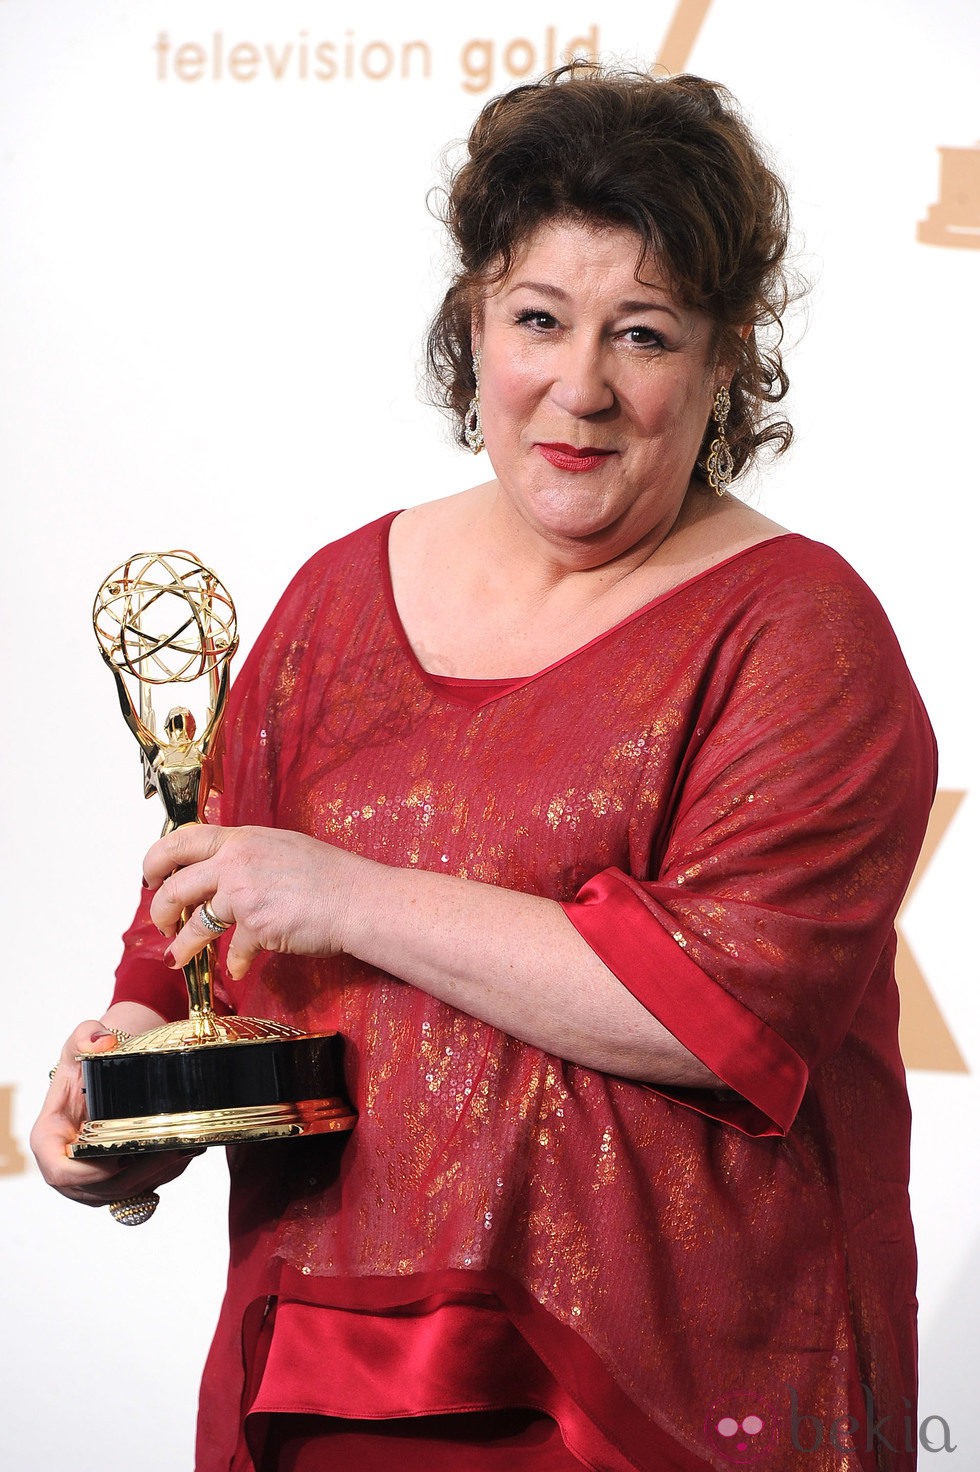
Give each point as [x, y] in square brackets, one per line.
[727, 793]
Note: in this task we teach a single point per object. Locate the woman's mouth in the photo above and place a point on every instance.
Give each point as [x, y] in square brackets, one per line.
[568, 457]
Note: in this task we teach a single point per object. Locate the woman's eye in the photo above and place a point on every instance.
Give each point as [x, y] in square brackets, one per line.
[644, 337]
[542, 321]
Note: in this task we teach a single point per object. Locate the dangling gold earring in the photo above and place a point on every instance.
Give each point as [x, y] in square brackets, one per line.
[472, 428]
[720, 466]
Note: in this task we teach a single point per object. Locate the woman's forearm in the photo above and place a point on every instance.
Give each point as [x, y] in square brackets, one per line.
[515, 961]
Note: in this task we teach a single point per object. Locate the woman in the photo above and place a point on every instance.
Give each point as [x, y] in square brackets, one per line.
[582, 804]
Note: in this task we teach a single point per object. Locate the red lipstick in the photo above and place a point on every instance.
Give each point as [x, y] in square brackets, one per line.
[567, 457]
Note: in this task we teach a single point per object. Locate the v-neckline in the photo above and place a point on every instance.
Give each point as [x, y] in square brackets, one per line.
[510, 684]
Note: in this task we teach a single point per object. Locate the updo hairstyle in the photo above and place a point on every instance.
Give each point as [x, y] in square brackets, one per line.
[668, 158]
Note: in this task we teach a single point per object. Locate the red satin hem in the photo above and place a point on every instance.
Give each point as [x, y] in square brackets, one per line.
[496, 1441]
[445, 1360]
[444, 1349]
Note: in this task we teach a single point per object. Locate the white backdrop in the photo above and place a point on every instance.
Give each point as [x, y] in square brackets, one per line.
[217, 268]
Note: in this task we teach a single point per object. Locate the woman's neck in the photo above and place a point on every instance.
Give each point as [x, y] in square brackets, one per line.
[481, 595]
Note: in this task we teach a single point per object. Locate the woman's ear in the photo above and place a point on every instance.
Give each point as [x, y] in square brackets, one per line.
[727, 369]
[726, 365]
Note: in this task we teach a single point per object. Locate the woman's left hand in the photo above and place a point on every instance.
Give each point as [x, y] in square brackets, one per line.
[282, 891]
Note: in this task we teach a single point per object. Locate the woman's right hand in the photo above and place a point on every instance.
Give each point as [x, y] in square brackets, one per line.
[101, 1180]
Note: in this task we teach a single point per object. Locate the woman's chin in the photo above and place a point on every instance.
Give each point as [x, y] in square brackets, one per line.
[568, 515]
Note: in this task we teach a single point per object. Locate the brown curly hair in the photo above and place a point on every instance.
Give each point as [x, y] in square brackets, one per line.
[669, 158]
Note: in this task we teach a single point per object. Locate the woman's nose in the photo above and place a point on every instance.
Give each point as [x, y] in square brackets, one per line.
[581, 385]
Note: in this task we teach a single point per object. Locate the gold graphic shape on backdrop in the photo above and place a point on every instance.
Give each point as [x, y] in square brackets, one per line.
[923, 1032]
[683, 31]
[12, 1157]
[955, 220]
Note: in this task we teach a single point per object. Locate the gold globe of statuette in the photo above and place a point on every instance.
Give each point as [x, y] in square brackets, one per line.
[165, 619]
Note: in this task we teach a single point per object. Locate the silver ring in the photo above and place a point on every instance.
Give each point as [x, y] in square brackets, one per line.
[211, 922]
[133, 1211]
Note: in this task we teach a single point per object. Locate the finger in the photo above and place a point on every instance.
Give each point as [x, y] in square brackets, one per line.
[190, 844]
[96, 1182]
[88, 1037]
[192, 937]
[83, 1180]
[183, 893]
[132, 1176]
[242, 951]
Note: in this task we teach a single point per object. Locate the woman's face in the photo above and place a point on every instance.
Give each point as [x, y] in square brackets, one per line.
[595, 389]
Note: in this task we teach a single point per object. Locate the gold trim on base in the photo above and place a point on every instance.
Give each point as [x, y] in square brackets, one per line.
[200, 1030]
[200, 1127]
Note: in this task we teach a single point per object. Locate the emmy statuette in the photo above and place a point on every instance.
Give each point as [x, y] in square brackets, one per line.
[164, 619]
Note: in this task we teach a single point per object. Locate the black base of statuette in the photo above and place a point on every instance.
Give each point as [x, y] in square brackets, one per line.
[213, 1094]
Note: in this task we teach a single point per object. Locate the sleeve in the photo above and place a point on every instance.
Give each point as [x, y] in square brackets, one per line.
[794, 827]
[142, 975]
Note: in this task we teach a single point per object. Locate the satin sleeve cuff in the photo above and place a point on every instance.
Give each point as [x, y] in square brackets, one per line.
[629, 933]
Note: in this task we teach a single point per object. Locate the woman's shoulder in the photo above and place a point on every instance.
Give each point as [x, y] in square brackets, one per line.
[793, 615]
[802, 571]
[752, 583]
[734, 551]
[765, 554]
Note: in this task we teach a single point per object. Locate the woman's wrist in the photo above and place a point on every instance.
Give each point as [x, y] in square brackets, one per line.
[357, 903]
[132, 1017]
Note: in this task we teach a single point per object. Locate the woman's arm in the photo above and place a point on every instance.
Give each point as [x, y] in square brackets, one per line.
[512, 960]
[515, 961]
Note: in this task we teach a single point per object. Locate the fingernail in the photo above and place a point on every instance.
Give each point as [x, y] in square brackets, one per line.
[168, 956]
[99, 1032]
